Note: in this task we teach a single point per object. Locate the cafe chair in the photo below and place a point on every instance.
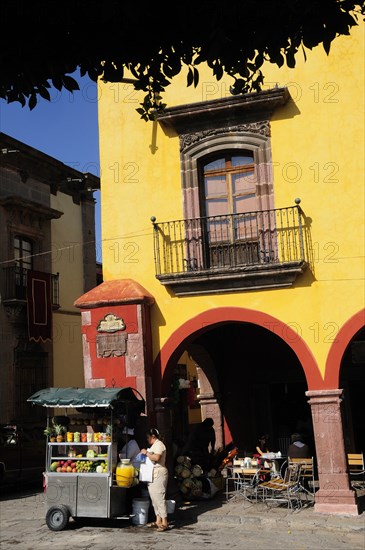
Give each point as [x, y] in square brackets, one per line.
[356, 470]
[243, 480]
[285, 489]
[307, 483]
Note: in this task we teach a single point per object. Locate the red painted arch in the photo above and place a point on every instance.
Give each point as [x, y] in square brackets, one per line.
[221, 315]
[338, 348]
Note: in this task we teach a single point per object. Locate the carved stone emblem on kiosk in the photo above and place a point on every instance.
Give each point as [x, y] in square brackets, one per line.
[113, 343]
[111, 323]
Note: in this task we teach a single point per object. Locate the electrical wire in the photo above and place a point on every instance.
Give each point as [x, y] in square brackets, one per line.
[142, 233]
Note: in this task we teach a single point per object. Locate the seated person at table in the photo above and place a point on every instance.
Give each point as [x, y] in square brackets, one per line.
[297, 448]
[262, 446]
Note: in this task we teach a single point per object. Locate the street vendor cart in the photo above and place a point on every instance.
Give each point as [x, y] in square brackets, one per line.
[80, 473]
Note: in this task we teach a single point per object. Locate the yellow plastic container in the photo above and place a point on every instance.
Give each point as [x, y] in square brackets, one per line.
[124, 473]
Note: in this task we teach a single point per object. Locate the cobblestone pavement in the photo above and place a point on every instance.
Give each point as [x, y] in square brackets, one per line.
[212, 524]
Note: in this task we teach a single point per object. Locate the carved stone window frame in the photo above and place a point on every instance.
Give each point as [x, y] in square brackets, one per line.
[253, 137]
[227, 125]
[234, 123]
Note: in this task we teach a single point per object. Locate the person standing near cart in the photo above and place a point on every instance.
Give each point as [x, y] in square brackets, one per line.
[157, 487]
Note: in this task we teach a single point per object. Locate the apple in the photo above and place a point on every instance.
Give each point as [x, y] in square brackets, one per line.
[74, 471]
[59, 469]
[62, 462]
[69, 469]
[73, 465]
[64, 469]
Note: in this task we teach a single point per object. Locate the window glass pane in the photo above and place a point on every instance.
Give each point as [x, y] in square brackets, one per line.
[215, 185]
[27, 262]
[243, 182]
[245, 227]
[245, 203]
[23, 250]
[27, 246]
[239, 160]
[218, 230]
[218, 164]
[216, 207]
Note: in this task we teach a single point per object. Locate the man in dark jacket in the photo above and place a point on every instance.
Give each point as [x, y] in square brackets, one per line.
[297, 448]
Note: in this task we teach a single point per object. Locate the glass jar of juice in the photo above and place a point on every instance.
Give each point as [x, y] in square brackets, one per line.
[124, 473]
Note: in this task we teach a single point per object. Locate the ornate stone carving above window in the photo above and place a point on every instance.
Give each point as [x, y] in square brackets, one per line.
[262, 128]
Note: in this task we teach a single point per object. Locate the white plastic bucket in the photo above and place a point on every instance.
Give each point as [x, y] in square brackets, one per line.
[140, 507]
[170, 506]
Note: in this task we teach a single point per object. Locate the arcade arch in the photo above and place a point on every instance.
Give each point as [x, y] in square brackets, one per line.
[249, 368]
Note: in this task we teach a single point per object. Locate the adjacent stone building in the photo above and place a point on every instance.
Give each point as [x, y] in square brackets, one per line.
[47, 259]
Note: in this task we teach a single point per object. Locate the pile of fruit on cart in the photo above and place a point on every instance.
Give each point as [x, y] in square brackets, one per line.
[79, 466]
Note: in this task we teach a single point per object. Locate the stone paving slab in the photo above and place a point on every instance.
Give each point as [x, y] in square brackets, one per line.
[212, 524]
[259, 515]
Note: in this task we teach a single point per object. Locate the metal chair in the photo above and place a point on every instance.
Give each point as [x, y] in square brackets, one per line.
[307, 484]
[285, 489]
[244, 481]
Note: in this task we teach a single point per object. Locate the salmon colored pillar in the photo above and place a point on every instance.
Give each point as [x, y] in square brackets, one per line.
[335, 495]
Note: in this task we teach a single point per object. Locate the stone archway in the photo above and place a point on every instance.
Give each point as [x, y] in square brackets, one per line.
[338, 348]
[218, 316]
[190, 331]
[324, 400]
[335, 494]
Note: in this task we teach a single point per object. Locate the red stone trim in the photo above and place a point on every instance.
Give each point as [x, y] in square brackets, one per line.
[199, 324]
[338, 348]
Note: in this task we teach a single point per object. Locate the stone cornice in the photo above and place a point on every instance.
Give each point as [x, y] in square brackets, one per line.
[221, 111]
[21, 204]
[31, 163]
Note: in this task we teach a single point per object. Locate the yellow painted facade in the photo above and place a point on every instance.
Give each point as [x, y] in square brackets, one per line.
[317, 142]
[67, 259]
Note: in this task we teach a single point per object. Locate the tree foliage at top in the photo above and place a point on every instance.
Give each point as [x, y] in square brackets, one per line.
[43, 43]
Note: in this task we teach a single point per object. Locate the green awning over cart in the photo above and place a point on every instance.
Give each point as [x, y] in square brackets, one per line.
[85, 397]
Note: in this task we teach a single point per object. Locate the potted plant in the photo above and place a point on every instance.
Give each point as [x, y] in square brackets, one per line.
[50, 433]
[59, 430]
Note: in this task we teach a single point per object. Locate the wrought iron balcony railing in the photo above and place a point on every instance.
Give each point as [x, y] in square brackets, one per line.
[15, 285]
[231, 243]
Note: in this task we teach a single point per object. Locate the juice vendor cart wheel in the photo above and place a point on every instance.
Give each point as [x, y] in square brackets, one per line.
[57, 517]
